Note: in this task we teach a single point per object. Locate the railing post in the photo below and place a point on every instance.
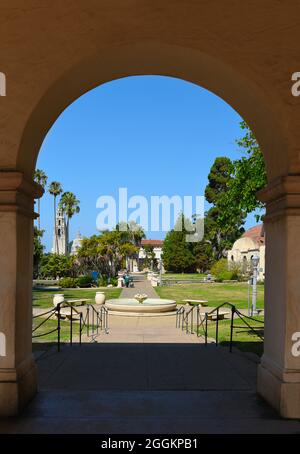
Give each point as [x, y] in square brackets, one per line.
[187, 322]
[80, 327]
[106, 324]
[231, 328]
[58, 327]
[71, 327]
[217, 327]
[192, 319]
[198, 320]
[93, 320]
[206, 319]
[88, 322]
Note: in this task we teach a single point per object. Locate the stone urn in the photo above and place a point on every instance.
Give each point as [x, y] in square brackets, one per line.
[100, 298]
[58, 298]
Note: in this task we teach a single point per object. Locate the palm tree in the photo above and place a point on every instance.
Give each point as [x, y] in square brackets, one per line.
[55, 189]
[41, 178]
[69, 204]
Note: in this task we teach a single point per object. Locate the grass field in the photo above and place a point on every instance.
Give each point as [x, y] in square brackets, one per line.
[44, 298]
[50, 325]
[215, 293]
[183, 276]
[243, 339]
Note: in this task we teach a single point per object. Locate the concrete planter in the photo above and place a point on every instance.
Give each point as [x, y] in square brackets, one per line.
[100, 298]
[58, 298]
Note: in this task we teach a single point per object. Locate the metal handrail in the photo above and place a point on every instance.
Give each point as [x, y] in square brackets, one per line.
[234, 311]
[179, 317]
[92, 321]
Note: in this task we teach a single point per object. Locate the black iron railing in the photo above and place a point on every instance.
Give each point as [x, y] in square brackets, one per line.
[92, 321]
[192, 320]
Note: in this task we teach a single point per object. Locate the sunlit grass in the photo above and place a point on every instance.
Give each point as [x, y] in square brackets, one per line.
[214, 293]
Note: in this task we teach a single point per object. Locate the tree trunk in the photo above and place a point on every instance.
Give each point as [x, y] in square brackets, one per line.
[39, 212]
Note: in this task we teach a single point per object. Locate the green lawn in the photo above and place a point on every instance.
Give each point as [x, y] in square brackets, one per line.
[44, 298]
[215, 293]
[51, 324]
[243, 339]
[183, 276]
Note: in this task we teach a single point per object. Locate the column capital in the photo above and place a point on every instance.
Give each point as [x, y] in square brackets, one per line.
[17, 193]
[282, 197]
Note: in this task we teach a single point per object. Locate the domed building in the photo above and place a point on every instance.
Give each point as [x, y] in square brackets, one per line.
[251, 243]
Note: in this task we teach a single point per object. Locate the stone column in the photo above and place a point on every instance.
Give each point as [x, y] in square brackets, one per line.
[18, 382]
[279, 371]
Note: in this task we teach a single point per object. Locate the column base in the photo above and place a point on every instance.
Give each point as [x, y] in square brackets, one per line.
[283, 396]
[16, 393]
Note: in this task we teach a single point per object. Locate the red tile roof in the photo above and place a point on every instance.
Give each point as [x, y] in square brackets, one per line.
[256, 233]
[157, 243]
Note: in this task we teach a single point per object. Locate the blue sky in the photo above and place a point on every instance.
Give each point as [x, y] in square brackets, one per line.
[154, 135]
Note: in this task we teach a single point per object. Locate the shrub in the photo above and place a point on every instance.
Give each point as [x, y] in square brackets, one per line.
[85, 281]
[103, 281]
[221, 272]
[114, 281]
[68, 282]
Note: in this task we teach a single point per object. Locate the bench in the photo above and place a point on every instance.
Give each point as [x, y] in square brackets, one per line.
[65, 309]
[191, 302]
[214, 315]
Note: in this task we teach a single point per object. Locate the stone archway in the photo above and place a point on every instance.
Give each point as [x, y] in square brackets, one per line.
[52, 55]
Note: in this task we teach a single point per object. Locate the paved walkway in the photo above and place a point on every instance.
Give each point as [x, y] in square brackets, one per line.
[140, 286]
[146, 376]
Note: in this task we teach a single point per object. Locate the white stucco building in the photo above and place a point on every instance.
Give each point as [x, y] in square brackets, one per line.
[60, 240]
[136, 264]
[251, 243]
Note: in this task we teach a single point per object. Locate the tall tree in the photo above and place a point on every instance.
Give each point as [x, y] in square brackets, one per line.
[41, 178]
[70, 206]
[177, 253]
[218, 179]
[55, 189]
[219, 235]
[248, 177]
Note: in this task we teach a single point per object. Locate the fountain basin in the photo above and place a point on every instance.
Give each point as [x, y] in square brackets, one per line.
[151, 306]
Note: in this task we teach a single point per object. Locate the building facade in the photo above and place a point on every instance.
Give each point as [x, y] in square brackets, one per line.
[60, 236]
[251, 243]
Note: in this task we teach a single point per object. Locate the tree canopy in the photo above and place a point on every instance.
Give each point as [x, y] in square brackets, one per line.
[178, 255]
[248, 177]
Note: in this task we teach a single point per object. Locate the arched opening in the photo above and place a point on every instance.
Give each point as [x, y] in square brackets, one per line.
[117, 158]
[242, 93]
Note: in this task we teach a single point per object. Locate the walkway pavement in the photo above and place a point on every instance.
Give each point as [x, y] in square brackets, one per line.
[140, 286]
[146, 376]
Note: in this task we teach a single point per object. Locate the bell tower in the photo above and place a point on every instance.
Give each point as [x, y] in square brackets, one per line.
[60, 234]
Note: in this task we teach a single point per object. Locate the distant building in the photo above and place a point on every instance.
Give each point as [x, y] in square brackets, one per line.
[251, 243]
[60, 241]
[157, 246]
